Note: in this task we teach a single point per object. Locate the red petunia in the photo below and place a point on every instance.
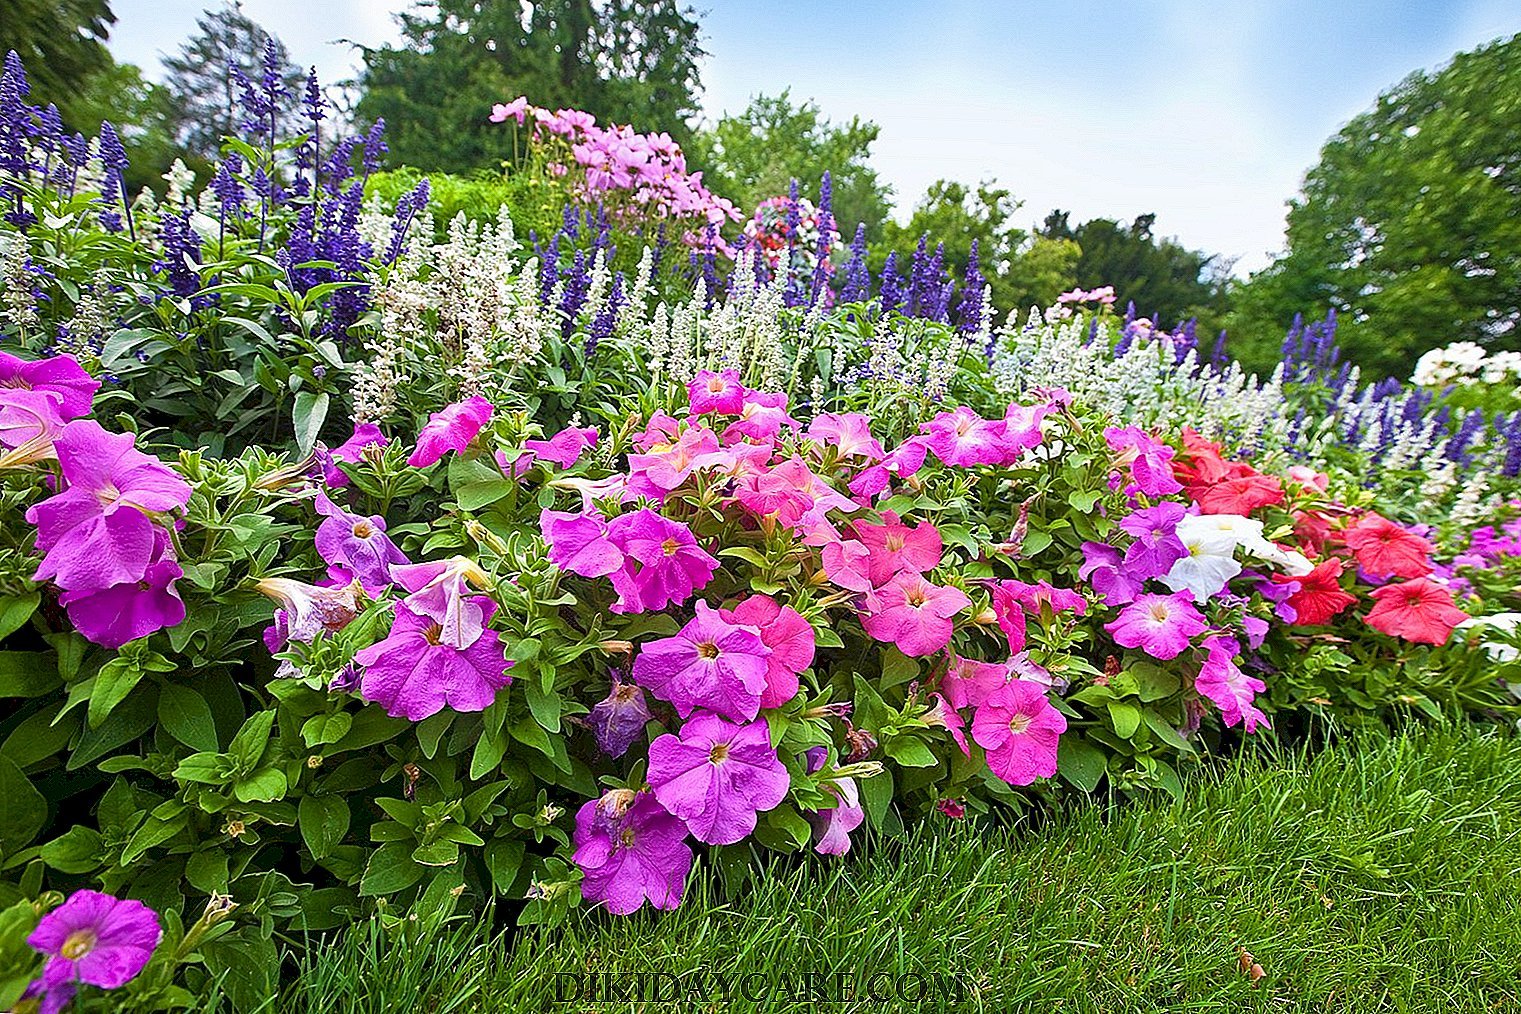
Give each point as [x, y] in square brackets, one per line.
[1384, 549]
[1419, 610]
[1220, 486]
[1320, 595]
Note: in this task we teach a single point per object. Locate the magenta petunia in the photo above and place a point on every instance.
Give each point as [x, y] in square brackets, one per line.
[413, 674]
[895, 546]
[351, 451]
[630, 852]
[565, 447]
[665, 466]
[619, 718]
[963, 438]
[711, 663]
[913, 614]
[29, 423]
[790, 638]
[1232, 690]
[357, 543]
[450, 429]
[61, 375]
[1019, 729]
[96, 939]
[579, 543]
[96, 533]
[847, 563]
[717, 776]
[663, 564]
[832, 827]
[114, 615]
[968, 682]
[716, 392]
[1160, 625]
[1149, 459]
[440, 590]
[1157, 546]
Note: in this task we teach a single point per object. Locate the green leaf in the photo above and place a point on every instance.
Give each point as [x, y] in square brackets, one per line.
[1126, 718]
[1166, 732]
[186, 716]
[320, 730]
[473, 496]
[545, 705]
[309, 414]
[112, 684]
[1154, 683]
[27, 674]
[1080, 762]
[263, 786]
[23, 811]
[876, 796]
[503, 860]
[248, 746]
[897, 668]
[154, 831]
[437, 853]
[323, 820]
[207, 871]
[910, 751]
[390, 869]
[206, 768]
[77, 850]
[16, 610]
[245, 964]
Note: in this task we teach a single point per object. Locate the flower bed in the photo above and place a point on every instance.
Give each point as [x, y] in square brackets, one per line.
[493, 593]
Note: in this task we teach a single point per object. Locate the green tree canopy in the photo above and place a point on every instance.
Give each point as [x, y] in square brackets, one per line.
[624, 61]
[1410, 225]
[1022, 269]
[756, 154]
[61, 42]
[1164, 279]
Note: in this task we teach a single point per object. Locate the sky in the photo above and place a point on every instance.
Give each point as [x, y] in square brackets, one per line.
[1207, 115]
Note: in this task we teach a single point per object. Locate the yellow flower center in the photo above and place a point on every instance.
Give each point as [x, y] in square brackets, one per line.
[669, 547]
[1019, 723]
[78, 944]
[707, 650]
[433, 633]
[719, 753]
[364, 529]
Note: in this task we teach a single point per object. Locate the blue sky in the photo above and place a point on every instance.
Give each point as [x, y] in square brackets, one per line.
[1207, 114]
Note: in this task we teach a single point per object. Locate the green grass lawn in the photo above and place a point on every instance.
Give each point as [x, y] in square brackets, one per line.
[1382, 874]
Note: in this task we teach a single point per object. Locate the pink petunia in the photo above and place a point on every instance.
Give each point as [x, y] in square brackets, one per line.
[440, 590]
[1232, 690]
[963, 438]
[913, 614]
[96, 939]
[1019, 729]
[717, 776]
[849, 434]
[719, 393]
[968, 682]
[761, 418]
[1149, 459]
[711, 663]
[1160, 625]
[896, 547]
[665, 466]
[450, 429]
[565, 447]
[357, 543]
[790, 638]
[61, 375]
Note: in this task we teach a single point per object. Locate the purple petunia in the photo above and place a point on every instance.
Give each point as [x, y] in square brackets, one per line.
[630, 850]
[711, 663]
[96, 939]
[357, 543]
[414, 674]
[717, 776]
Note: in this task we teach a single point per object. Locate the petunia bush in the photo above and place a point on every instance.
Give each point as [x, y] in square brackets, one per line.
[481, 660]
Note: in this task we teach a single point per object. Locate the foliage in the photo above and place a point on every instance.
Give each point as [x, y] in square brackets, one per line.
[755, 154]
[1409, 225]
[1163, 279]
[622, 62]
[63, 41]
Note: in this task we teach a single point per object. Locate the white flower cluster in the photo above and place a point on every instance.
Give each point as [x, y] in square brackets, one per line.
[1466, 363]
[17, 288]
[1148, 385]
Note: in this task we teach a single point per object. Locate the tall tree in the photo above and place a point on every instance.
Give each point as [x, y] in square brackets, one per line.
[1410, 225]
[204, 88]
[624, 61]
[61, 42]
[1164, 279]
[756, 154]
